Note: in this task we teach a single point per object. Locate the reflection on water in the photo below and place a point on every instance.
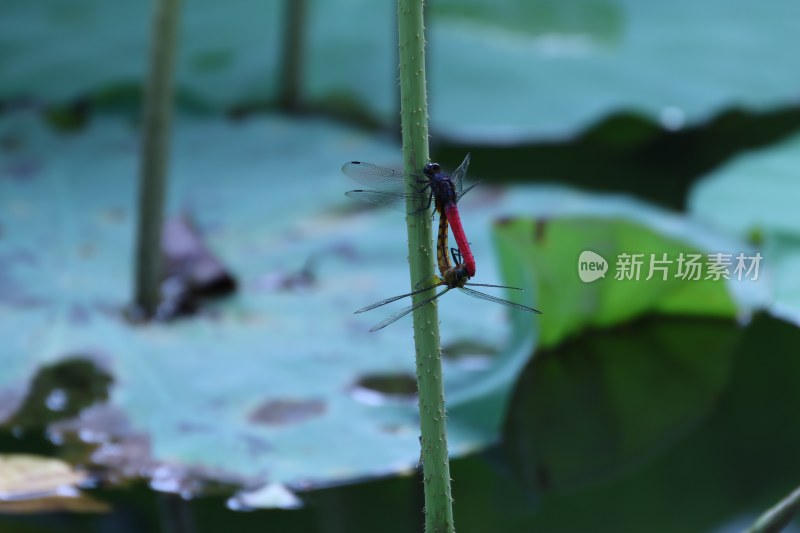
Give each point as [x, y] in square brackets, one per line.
[599, 405]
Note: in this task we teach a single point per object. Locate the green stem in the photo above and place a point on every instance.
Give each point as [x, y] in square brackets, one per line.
[414, 120]
[155, 152]
[778, 517]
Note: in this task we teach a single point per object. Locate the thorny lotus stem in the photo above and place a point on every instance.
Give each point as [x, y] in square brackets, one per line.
[155, 155]
[414, 120]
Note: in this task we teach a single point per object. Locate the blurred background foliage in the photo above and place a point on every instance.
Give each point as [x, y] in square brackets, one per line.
[605, 125]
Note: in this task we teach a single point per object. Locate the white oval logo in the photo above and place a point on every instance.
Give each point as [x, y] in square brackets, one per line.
[591, 266]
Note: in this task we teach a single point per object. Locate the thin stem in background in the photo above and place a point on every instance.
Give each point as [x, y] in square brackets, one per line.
[155, 155]
[291, 73]
[778, 517]
[414, 120]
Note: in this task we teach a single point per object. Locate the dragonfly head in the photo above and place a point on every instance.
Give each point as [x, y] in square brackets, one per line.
[456, 276]
[431, 169]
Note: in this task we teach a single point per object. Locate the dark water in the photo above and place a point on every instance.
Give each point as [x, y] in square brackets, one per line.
[663, 425]
[627, 153]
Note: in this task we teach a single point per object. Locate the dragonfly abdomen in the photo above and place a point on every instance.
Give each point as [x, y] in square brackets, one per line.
[441, 245]
[451, 212]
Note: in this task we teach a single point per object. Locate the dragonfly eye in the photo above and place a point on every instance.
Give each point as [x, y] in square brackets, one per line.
[431, 168]
[460, 277]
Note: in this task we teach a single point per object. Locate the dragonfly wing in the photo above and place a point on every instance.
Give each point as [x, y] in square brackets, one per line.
[482, 296]
[403, 312]
[495, 286]
[395, 298]
[394, 200]
[375, 175]
[465, 191]
[458, 174]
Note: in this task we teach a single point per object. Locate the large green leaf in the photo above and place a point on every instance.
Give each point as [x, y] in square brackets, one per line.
[547, 68]
[755, 192]
[260, 385]
[755, 196]
[498, 70]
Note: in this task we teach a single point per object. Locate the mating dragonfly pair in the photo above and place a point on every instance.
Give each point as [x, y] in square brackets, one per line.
[443, 191]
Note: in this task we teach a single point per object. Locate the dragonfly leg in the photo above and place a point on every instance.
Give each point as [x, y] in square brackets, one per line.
[428, 283]
[420, 190]
[420, 210]
[430, 201]
[425, 208]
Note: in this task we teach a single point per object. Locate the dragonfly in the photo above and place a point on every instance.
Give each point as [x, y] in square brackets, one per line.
[432, 185]
[452, 277]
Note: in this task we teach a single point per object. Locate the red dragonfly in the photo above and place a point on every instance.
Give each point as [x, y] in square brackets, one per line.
[434, 186]
[453, 277]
